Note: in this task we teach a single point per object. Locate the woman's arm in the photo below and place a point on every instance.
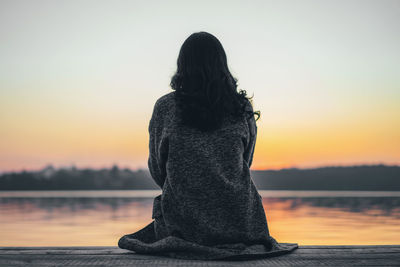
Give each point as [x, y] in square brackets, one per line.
[249, 150]
[158, 147]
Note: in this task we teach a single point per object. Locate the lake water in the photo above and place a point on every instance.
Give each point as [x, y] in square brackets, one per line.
[100, 218]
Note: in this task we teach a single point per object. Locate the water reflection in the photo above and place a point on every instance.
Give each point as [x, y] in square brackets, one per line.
[94, 221]
[388, 206]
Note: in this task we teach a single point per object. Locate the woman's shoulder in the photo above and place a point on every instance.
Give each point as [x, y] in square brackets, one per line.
[165, 99]
[163, 109]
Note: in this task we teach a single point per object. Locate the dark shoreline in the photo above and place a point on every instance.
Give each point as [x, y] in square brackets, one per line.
[350, 178]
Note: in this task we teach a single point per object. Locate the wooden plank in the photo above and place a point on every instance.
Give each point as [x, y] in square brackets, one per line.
[117, 251]
[115, 247]
[370, 255]
[123, 252]
[115, 260]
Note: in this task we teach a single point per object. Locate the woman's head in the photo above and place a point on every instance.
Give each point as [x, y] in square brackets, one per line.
[205, 89]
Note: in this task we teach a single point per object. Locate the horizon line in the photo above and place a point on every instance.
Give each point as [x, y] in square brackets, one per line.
[72, 166]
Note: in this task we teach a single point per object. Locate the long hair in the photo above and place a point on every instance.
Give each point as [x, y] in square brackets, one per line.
[206, 91]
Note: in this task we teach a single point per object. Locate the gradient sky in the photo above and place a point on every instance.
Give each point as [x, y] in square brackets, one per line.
[78, 79]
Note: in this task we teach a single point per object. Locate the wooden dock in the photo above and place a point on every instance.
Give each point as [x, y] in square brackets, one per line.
[386, 255]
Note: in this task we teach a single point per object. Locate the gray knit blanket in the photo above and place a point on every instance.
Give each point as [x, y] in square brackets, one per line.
[209, 208]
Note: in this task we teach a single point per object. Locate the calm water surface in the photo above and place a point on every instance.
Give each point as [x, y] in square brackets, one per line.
[99, 218]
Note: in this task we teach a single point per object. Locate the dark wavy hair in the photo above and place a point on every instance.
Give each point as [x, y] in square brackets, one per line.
[206, 91]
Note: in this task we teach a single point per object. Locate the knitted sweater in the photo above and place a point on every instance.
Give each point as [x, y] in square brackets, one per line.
[209, 208]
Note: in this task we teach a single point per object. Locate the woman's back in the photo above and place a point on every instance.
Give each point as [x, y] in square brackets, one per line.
[207, 179]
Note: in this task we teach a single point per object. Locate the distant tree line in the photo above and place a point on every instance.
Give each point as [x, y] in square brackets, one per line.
[50, 178]
[362, 177]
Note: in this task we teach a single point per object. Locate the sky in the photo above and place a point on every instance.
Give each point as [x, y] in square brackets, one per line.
[79, 79]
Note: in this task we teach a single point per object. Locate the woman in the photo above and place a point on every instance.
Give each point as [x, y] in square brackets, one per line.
[202, 140]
